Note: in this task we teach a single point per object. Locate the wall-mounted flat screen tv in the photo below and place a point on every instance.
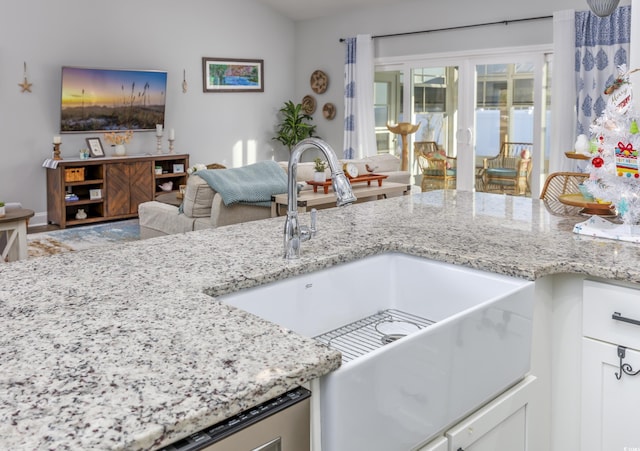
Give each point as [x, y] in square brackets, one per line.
[96, 100]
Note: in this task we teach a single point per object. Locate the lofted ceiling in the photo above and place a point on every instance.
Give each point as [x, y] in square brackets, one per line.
[311, 9]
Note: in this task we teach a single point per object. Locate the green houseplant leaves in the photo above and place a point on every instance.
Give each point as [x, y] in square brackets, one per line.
[295, 125]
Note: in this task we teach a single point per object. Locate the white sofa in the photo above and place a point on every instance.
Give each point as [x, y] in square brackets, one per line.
[203, 207]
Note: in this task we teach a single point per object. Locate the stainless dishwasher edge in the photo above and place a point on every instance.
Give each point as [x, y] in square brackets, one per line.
[281, 424]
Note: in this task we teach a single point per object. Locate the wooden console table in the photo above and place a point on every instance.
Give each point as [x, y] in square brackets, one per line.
[14, 223]
[109, 188]
[308, 199]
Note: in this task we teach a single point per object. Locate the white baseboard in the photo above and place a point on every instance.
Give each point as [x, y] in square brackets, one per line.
[39, 219]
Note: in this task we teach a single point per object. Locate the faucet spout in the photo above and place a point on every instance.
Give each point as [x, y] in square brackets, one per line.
[294, 233]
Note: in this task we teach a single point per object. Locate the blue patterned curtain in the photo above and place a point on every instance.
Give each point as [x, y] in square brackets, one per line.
[602, 44]
[349, 98]
[359, 125]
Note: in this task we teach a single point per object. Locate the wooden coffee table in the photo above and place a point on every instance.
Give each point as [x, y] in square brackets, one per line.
[14, 226]
[307, 199]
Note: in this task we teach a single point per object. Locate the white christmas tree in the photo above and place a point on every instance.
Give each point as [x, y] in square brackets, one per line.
[614, 171]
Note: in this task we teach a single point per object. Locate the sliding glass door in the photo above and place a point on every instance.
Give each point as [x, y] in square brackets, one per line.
[504, 106]
[435, 105]
[468, 105]
[387, 105]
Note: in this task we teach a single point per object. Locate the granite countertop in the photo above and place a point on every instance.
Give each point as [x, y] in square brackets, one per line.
[126, 347]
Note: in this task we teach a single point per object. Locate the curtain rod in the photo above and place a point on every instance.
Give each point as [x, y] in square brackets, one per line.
[460, 27]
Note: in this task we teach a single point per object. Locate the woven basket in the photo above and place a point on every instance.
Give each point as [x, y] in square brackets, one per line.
[74, 174]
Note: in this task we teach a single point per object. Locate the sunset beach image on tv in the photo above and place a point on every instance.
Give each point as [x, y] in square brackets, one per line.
[106, 100]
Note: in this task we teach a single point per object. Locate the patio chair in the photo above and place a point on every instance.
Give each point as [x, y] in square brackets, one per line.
[509, 170]
[420, 149]
[438, 170]
[557, 184]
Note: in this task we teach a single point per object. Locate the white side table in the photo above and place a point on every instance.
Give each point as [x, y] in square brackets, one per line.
[14, 225]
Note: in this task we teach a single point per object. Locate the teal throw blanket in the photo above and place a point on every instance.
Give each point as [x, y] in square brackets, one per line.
[253, 184]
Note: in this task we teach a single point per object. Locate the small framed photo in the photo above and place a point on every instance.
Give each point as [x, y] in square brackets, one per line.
[95, 147]
[95, 194]
[232, 75]
[177, 168]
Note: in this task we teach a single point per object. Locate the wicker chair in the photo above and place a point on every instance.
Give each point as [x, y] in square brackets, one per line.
[420, 150]
[509, 170]
[557, 184]
[438, 170]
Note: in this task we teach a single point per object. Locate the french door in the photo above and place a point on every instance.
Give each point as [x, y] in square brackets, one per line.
[468, 104]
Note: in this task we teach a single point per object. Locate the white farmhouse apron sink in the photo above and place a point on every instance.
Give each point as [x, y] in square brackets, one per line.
[460, 338]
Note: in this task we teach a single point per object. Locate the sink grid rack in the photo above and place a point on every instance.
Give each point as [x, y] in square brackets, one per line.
[362, 336]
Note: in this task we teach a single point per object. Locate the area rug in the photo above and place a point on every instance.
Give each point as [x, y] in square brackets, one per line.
[86, 237]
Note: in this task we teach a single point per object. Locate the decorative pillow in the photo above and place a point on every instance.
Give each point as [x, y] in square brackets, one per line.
[384, 162]
[439, 155]
[216, 166]
[198, 198]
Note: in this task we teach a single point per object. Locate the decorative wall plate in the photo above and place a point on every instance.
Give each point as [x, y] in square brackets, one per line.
[329, 111]
[319, 82]
[308, 104]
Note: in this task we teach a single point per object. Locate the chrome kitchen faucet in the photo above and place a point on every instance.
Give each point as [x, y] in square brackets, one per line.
[294, 233]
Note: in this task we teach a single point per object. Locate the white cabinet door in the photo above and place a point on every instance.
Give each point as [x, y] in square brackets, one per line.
[610, 407]
[500, 425]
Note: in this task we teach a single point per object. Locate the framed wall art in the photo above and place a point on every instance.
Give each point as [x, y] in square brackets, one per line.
[232, 75]
[95, 147]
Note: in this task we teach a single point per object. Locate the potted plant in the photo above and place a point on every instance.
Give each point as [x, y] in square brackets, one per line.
[118, 141]
[2, 211]
[295, 125]
[320, 167]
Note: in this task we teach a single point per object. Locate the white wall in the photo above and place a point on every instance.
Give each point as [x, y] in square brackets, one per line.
[318, 45]
[171, 35]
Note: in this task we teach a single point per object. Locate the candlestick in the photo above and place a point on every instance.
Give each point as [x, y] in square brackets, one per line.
[159, 145]
[171, 145]
[56, 151]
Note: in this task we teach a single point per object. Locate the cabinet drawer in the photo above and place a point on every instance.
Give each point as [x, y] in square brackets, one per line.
[601, 302]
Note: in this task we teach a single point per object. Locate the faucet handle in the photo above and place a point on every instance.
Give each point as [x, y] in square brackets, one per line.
[314, 222]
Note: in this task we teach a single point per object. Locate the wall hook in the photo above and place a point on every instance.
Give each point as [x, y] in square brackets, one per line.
[25, 85]
[624, 367]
